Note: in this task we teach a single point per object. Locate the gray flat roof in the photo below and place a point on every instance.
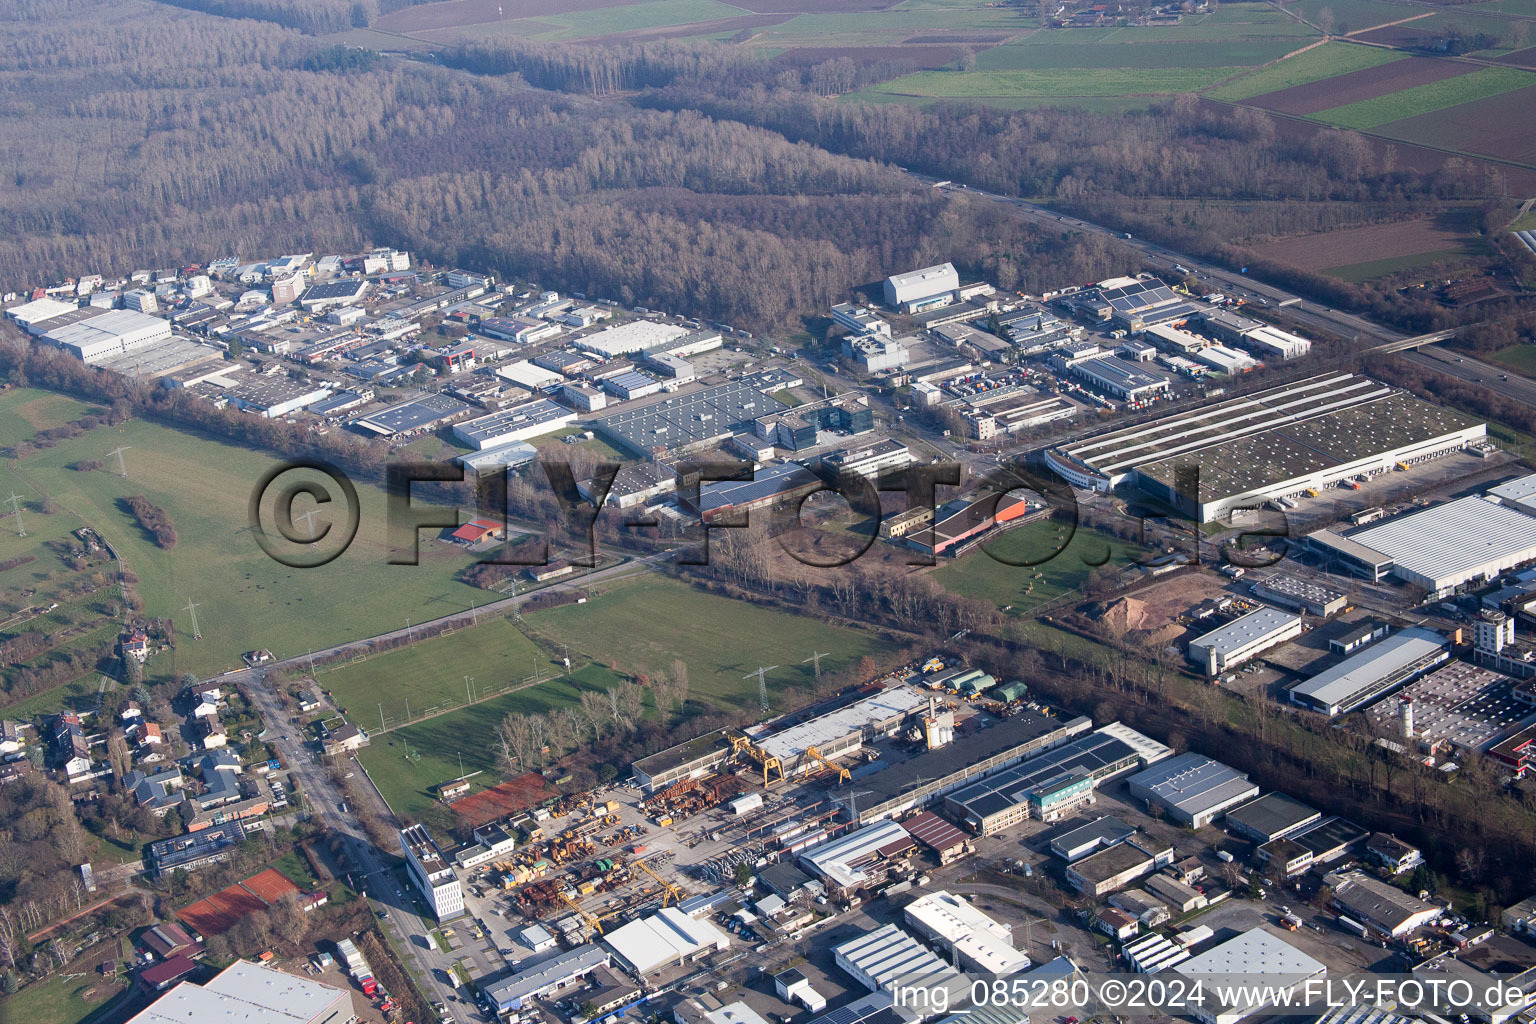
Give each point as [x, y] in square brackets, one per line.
[1191, 782]
[1272, 815]
[1359, 673]
[1240, 632]
[679, 421]
[1454, 539]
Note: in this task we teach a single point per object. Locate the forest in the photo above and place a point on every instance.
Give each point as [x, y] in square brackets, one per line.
[677, 175]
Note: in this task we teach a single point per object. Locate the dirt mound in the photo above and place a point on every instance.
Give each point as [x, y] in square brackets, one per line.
[1155, 639]
[1124, 615]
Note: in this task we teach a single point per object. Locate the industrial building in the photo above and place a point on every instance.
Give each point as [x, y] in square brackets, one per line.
[413, 416]
[431, 873]
[858, 859]
[925, 777]
[635, 336]
[1006, 410]
[887, 957]
[1341, 555]
[1271, 816]
[691, 760]
[1273, 343]
[875, 353]
[1053, 784]
[1224, 360]
[870, 459]
[1078, 841]
[513, 992]
[1519, 493]
[1372, 673]
[245, 992]
[1193, 789]
[93, 336]
[1118, 378]
[666, 938]
[1117, 866]
[1302, 595]
[519, 423]
[319, 297]
[844, 730]
[1243, 638]
[961, 522]
[922, 289]
[682, 423]
[859, 319]
[1132, 304]
[1256, 953]
[193, 850]
[980, 943]
[1379, 905]
[1462, 705]
[1453, 544]
[769, 486]
[1305, 435]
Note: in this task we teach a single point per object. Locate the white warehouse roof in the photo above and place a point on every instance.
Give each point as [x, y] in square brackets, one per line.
[1361, 676]
[1192, 784]
[38, 311]
[635, 336]
[1242, 632]
[838, 860]
[1254, 953]
[1450, 544]
[880, 707]
[243, 992]
[888, 956]
[1520, 492]
[982, 944]
[666, 937]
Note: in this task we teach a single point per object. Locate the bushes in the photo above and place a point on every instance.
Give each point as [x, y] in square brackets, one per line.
[152, 520]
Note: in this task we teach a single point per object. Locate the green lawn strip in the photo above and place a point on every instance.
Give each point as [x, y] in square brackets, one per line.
[1426, 98]
[1015, 56]
[1520, 358]
[1062, 82]
[1371, 269]
[1326, 61]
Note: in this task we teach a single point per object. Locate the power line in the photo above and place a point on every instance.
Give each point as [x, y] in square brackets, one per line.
[762, 684]
[15, 500]
[122, 467]
[192, 610]
[815, 660]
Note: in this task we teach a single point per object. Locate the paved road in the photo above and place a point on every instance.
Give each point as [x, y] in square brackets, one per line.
[1501, 381]
[374, 870]
[1309, 314]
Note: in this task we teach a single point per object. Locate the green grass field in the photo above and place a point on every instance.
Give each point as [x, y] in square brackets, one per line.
[1427, 98]
[642, 624]
[1326, 61]
[1020, 56]
[633, 17]
[430, 674]
[884, 28]
[979, 574]
[1055, 83]
[408, 763]
[1372, 269]
[1520, 358]
[245, 599]
[1353, 15]
[62, 999]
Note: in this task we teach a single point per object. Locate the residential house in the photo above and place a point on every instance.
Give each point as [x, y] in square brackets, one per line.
[159, 792]
[344, 738]
[213, 734]
[13, 737]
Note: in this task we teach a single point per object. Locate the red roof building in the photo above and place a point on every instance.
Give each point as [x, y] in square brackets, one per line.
[163, 975]
[476, 530]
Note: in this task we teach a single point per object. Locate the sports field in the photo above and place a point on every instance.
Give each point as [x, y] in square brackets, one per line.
[244, 599]
[642, 624]
[429, 675]
[408, 763]
[1017, 588]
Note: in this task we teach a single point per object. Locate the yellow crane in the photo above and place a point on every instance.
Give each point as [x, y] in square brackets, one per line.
[744, 745]
[593, 923]
[843, 775]
[669, 891]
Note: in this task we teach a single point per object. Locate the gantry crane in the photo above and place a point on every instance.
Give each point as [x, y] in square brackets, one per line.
[744, 745]
[593, 923]
[669, 891]
[844, 776]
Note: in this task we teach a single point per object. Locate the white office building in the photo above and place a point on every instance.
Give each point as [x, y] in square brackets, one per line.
[431, 873]
[922, 289]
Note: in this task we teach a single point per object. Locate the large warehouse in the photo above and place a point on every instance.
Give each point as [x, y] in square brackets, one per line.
[1027, 790]
[519, 423]
[920, 289]
[1254, 955]
[1243, 638]
[680, 423]
[846, 729]
[1372, 673]
[1447, 546]
[1309, 434]
[108, 333]
[663, 939]
[1192, 788]
[244, 992]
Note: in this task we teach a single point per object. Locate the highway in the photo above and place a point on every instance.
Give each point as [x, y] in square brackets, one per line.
[1502, 382]
[1321, 319]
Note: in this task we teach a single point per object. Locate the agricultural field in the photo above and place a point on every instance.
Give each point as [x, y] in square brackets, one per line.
[1520, 358]
[430, 674]
[642, 624]
[62, 999]
[1354, 253]
[1495, 126]
[1320, 63]
[1018, 588]
[1058, 83]
[1426, 98]
[244, 599]
[1356, 86]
